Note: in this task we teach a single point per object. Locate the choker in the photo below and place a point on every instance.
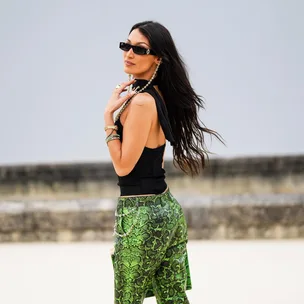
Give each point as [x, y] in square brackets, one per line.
[142, 82]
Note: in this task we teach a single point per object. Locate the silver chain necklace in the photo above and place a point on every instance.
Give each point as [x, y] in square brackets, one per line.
[137, 90]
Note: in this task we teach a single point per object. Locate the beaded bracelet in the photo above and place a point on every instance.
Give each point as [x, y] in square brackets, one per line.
[112, 137]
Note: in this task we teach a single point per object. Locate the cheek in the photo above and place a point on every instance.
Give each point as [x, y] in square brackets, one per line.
[144, 64]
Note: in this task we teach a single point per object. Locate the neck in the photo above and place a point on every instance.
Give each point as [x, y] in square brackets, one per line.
[142, 76]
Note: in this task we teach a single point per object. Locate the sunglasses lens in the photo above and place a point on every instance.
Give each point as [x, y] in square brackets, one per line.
[124, 46]
[139, 50]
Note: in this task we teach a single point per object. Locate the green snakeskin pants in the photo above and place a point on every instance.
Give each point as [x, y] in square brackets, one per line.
[152, 259]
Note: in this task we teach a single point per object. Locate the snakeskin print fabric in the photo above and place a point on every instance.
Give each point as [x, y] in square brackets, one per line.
[152, 259]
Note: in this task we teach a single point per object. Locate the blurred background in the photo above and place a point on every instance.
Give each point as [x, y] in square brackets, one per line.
[59, 62]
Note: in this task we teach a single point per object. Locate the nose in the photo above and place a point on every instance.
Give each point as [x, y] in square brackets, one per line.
[130, 53]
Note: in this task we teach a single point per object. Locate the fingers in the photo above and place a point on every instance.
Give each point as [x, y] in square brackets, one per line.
[129, 82]
[123, 86]
[127, 96]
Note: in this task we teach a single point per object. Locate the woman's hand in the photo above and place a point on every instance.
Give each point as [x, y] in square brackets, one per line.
[116, 101]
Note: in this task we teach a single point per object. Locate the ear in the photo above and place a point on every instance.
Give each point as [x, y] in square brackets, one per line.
[158, 60]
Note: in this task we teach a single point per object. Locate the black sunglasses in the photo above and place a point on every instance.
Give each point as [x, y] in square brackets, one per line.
[139, 50]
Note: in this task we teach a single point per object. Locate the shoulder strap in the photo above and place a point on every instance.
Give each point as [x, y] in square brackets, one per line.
[163, 115]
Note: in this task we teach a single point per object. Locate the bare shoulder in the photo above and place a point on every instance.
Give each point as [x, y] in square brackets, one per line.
[143, 99]
[142, 108]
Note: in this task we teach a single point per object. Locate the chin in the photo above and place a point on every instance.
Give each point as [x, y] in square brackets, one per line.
[128, 69]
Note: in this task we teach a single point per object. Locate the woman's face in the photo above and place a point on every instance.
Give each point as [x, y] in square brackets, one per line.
[140, 66]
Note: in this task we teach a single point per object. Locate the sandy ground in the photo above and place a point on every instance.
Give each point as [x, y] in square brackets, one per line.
[238, 272]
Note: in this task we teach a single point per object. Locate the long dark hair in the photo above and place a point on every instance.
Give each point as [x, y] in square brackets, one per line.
[183, 104]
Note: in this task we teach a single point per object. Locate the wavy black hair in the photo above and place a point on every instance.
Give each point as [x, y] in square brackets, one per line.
[183, 104]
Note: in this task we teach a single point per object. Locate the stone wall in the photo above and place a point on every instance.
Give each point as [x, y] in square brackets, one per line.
[277, 174]
[240, 198]
[214, 217]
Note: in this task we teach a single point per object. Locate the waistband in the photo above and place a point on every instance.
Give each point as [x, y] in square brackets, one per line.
[143, 195]
[141, 200]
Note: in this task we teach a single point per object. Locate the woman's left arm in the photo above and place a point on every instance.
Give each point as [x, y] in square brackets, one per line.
[135, 133]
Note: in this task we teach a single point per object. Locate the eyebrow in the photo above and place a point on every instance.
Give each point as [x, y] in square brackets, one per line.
[138, 43]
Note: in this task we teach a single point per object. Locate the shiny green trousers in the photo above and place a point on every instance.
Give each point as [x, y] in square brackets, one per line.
[150, 250]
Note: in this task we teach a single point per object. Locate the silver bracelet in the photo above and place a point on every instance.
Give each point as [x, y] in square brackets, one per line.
[112, 137]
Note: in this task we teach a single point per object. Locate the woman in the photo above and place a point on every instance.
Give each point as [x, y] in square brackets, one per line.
[150, 253]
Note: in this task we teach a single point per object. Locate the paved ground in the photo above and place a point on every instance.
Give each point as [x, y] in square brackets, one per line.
[236, 272]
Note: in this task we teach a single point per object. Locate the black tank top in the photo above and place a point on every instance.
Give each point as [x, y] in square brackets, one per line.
[148, 176]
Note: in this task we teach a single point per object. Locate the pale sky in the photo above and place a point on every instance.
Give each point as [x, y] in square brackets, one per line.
[59, 62]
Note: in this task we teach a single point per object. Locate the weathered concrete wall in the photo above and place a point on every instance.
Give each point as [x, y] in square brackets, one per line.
[217, 217]
[278, 174]
[259, 197]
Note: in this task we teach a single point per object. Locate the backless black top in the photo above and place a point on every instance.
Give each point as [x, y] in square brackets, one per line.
[148, 176]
